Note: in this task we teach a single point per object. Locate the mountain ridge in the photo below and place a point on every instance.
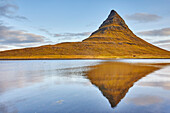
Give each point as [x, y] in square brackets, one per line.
[113, 39]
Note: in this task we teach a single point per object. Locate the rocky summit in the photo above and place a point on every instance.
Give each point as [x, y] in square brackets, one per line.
[113, 39]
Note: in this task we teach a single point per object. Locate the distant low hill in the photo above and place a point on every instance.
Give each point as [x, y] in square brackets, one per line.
[113, 39]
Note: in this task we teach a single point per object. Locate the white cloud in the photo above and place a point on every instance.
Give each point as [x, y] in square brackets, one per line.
[8, 10]
[10, 38]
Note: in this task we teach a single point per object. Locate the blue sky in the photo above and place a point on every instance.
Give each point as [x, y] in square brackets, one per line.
[27, 23]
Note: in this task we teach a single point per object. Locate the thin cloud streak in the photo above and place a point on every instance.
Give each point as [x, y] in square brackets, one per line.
[143, 17]
[46, 31]
[165, 46]
[72, 34]
[157, 32]
[145, 100]
[161, 41]
[64, 34]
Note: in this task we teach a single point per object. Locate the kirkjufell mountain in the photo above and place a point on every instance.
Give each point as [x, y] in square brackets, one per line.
[113, 39]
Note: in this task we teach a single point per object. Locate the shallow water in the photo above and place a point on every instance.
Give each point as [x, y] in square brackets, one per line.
[81, 86]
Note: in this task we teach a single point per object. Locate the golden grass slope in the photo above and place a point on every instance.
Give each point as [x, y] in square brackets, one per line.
[87, 50]
[113, 39]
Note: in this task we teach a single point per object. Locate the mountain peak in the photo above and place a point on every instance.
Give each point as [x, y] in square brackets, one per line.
[113, 19]
[113, 13]
[112, 29]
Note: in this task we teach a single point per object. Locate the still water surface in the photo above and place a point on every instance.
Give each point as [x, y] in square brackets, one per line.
[81, 86]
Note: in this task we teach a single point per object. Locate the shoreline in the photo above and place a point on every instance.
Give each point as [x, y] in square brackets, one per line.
[74, 58]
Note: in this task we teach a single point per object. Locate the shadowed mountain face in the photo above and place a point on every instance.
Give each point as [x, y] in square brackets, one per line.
[115, 78]
[113, 39]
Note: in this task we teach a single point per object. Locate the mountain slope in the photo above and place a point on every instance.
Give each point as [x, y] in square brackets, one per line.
[113, 39]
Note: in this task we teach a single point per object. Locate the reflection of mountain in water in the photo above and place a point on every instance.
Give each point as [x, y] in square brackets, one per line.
[115, 78]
